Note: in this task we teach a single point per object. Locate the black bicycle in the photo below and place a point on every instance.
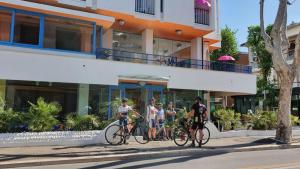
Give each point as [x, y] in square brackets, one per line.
[115, 134]
[182, 134]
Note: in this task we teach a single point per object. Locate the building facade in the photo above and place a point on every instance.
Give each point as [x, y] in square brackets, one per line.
[86, 53]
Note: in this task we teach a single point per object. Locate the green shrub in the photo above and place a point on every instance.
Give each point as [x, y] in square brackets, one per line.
[10, 121]
[264, 120]
[295, 120]
[42, 115]
[228, 118]
[82, 122]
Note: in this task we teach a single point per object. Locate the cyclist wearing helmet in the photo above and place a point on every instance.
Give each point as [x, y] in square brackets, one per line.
[199, 113]
[123, 112]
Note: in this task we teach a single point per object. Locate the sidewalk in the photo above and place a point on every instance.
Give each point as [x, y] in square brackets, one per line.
[32, 156]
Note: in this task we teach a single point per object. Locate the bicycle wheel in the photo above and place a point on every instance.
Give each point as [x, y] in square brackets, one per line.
[140, 135]
[180, 136]
[114, 134]
[206, 135]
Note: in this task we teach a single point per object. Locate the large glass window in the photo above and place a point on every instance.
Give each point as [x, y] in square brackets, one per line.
[67, 34]
[127, 42]
[5, 25]
[27, 28]
[58, 32]
[167, 47]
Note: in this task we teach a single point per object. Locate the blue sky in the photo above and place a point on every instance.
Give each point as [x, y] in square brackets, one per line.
[239, 14]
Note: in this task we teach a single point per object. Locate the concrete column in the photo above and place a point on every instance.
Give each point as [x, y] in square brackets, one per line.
[147, 43]
[2, 89]
[108, 39]
[224, 101]
[83, 99]
[196, 52]
[207, 98]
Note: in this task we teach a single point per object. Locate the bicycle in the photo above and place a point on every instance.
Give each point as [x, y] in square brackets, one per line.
[182, 134]
[115, 134]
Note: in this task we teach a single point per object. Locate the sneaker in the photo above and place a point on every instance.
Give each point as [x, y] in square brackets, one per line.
[125, 142]
[200, 144]
[193, 144]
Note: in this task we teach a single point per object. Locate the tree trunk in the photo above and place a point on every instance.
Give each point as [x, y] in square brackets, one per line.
[284, 128]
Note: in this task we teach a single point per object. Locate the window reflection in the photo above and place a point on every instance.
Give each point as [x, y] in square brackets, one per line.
[27, 29]
[127, 42]
[67, 34]
[5, 25]
[167, 47]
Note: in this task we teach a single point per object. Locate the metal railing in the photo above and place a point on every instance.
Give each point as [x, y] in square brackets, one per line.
[145, 6]
[125, 56]
[202, 16]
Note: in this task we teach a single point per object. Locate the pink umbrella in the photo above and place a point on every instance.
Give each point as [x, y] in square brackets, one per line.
[204, 2]
[226, 58]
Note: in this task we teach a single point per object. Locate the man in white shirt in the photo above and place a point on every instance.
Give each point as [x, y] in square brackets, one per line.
[123, 112]
[151, 119]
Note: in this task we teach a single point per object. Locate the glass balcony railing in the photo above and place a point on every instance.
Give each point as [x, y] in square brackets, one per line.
[145, 6]
[142, 58]
[202, 16]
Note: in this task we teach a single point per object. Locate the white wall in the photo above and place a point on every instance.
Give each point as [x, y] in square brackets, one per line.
[31, 64]
[175, 11]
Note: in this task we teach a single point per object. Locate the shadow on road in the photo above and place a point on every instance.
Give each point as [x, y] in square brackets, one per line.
[100, 150]
[172, 159]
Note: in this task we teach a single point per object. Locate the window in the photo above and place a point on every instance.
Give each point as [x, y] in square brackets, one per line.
[162, 6]
[127, 42]
[5, 25]
[67, 34]
[27, 29]
[98, 37]
[167, 47]
[145, 6]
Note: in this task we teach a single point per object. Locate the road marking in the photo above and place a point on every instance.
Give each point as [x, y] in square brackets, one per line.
[295, 165]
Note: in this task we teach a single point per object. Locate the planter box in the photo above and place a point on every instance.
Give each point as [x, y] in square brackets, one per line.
[61, 138]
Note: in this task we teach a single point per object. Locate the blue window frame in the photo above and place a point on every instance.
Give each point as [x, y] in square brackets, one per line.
[38, 42]
[120, 91]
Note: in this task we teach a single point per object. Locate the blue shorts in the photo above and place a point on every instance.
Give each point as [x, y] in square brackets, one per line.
[161, 123]
[123, 121]
[152, 123]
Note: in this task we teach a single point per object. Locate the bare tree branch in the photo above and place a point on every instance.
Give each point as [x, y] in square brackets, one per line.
[264, 34]
[279, 18]
[285, 41]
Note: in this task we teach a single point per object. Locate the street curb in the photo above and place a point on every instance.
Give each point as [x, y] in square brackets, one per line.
[142, 154]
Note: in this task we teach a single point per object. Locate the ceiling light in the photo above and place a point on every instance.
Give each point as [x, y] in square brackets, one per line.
[121, 22]
[178, 32]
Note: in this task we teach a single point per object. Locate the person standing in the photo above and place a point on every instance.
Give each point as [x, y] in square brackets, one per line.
[123, 112]
[161, 121]
[199, 113]
[151, 119]
[170, 118]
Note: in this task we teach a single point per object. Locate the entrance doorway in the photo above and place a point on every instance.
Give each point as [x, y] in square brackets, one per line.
[140, 95]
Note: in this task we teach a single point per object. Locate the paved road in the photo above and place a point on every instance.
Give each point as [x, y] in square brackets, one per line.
[272, 159]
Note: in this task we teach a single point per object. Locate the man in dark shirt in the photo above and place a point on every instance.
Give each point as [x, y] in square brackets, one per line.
[199, 113]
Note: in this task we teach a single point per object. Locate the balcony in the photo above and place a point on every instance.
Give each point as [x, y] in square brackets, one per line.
[145, 6]
[202, 16]
[142, 58]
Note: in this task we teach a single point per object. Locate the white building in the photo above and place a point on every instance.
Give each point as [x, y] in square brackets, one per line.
[85, 53]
